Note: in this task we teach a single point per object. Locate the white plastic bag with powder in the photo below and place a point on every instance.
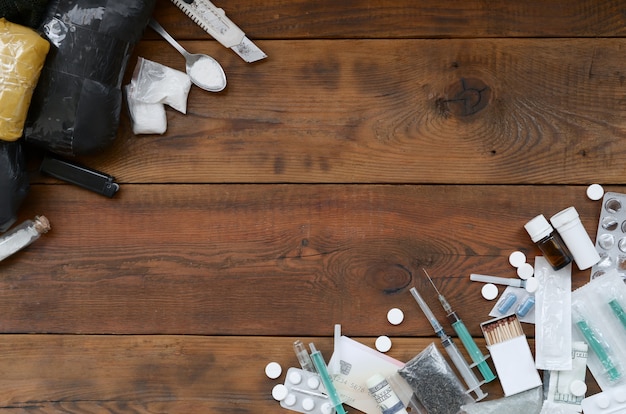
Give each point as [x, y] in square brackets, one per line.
[156, 83]
[146, 118]
[527, 402]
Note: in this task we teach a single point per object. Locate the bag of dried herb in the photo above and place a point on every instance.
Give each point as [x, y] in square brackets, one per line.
[434, 383]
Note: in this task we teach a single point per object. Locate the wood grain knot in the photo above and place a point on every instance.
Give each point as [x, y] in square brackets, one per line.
[467, 97]
[389, 278]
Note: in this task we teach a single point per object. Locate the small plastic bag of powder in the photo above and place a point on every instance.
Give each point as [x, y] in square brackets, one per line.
[154, 83]
[527, 402]
[146, 118]
[434, 383]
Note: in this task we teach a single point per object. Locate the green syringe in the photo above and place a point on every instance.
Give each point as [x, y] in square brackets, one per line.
[466, 338]
[320, 366]
[599, 347]
[618, 311]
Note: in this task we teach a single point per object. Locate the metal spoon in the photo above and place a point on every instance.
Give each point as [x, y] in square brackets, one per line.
[204, 71]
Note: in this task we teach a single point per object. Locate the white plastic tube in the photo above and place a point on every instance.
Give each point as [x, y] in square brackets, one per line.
[568, 224]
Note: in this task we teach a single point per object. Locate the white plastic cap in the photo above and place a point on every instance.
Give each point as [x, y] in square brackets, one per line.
[531, 285]
[489, 291]
[564, 219]
[538, 228]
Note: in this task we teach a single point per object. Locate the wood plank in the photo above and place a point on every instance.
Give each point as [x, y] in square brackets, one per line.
[299, 19]
[154, 374]
[402, 111]
[267, 259]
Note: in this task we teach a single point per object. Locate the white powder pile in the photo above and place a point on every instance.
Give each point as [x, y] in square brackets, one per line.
[207, 73]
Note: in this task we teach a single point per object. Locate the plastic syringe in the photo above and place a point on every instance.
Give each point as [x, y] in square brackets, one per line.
[451, 349]
[320, 366]
[599, 347]
[466, 338]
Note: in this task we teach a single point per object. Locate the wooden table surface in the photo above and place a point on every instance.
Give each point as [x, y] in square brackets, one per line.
[378, 138]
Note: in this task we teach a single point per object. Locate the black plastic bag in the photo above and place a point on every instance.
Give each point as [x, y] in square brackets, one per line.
[25, 12]
[76, 107]
[13, 182]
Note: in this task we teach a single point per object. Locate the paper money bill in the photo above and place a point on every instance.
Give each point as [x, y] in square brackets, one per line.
[559, 390]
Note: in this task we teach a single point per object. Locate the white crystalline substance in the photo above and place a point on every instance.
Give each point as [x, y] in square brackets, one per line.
[208, 73]
[17, 241]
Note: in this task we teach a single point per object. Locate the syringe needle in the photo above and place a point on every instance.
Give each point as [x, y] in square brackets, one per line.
[442, 299]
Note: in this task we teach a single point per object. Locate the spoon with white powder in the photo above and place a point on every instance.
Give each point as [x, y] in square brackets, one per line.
[204, 71]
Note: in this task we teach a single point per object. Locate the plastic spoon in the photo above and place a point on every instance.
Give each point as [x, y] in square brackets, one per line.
[204, 71]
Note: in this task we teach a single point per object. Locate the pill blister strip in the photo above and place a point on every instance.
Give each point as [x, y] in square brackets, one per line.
[612, 401]
[611, 236]
[305, 393]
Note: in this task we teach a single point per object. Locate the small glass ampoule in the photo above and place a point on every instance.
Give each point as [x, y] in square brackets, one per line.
[22, 235]
[303, 356]
[549, 242]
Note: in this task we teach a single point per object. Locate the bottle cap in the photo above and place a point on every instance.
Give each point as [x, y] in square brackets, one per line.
[564, 217]
[538, 228]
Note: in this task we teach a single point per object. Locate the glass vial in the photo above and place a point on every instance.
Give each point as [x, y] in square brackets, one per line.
[303, 356]
[549, 242]
[567, 223]
[22, 235]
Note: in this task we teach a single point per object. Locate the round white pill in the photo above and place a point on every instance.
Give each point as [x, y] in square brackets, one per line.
[273, 370]
[290, 400]
[517, 258]
[295, 377]
[595, 192]
[327, 408]
[619, 396]
[395, 316]
[603, 401]
[383, 343]
[525, 271]
[313, 383]
[308, 404]
[532, 284]
[279, 392]
[578, 388]
[489, 291]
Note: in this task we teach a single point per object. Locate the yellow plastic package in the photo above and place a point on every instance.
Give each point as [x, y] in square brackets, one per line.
[22, 55]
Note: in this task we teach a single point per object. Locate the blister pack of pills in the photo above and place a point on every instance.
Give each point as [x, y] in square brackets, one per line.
[303, 392]
[517, 301]
[611, 236]
[607, 402]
